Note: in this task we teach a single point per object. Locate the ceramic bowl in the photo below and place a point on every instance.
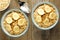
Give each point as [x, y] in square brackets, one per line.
[6, 6]
[52, 26]
[2, 26]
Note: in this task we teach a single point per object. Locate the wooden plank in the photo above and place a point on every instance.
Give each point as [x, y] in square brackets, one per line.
[55, 32]
[3, 36]
[34, 33]
[29, 16]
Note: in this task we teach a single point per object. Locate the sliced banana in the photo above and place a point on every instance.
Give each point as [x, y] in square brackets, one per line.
[21, 22]
[9, 20]
[38, 18]
[52, 15]
[16, 29]
[14, 24]
[8, 27]
[44, 14]
[47, 8]
[46, 21]
[15, 15]
[41, 11]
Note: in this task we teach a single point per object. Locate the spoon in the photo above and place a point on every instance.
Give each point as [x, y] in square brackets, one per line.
[24, 6]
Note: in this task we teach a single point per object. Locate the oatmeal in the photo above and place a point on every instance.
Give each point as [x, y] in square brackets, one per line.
[15, 23]
[45, 15]
[4, 4]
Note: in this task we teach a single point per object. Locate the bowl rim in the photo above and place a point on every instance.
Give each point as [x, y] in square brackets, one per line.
[52, 26]
[6, 6]
[4, 30]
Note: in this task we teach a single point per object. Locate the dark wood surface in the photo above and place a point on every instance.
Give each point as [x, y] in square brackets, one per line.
[33, 33]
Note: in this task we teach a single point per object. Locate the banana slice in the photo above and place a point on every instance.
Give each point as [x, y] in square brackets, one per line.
[47, 8]
[52, 15]
[15, 15]
[46, 21]
[9, 20]
[38, 18]
[40, 11]
[21, 22]
[8, 27]
[16, 30]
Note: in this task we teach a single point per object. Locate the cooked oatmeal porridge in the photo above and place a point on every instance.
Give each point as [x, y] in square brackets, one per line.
[15, 23]
[4, 4]
[45, 15]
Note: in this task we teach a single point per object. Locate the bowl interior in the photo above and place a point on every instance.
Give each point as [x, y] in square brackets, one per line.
[5, 29]
[6, 5]
[36, 23]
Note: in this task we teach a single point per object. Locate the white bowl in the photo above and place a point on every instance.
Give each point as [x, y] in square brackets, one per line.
[6, 6]
[2, 26]
[36, 23]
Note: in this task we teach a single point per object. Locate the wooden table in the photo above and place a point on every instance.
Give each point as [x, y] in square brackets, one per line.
[34, 33]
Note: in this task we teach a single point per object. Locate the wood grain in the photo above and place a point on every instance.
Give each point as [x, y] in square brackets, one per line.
[34, 33]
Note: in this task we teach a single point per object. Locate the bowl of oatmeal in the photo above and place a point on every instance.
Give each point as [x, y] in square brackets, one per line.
[4, 4]
[45, 15]
[14, 23]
